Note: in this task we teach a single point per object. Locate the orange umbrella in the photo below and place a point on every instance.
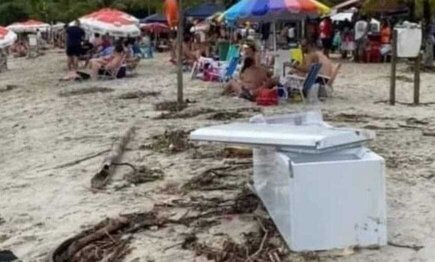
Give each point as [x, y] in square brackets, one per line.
[171, 12]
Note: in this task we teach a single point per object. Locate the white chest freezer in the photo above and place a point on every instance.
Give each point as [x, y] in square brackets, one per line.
[321, 187]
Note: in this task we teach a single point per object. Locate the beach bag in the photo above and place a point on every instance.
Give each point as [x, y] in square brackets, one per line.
[267, 97]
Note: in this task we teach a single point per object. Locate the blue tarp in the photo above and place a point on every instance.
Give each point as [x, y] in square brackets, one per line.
[204, 10]
[155, 18]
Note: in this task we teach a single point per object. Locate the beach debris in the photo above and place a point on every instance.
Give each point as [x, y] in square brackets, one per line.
[225, 115]
[217, 178]
[257, 246]
[171, 141]
[185, 114]
[8, 88]
[143, 175]
[85, 91]
[110, 239]
[171, 106]
[429, 132]
[413, 247]
[107, 241]
[100, 179]
[8, 256]
[83, 159]
[138, 94]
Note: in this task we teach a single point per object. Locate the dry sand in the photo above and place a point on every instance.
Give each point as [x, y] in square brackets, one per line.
[44, 125]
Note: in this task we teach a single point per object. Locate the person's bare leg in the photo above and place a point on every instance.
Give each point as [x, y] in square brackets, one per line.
[95, 68]
[233, 87]
[75, 60]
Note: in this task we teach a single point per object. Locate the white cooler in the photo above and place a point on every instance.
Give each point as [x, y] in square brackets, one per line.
[321, 187]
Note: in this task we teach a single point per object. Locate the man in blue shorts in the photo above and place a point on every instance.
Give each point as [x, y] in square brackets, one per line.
[74, 37]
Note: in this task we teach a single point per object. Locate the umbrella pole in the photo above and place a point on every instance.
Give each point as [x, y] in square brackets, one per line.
[180, 58]
[274, 37]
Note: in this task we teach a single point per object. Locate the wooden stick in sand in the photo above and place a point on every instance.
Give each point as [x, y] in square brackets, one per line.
[109, 164]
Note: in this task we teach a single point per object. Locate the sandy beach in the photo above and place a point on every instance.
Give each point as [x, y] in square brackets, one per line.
[46, 125]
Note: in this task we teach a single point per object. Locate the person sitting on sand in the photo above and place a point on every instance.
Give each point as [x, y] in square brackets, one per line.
[110, 65]
[252, 78]
[312, 55]
[19, 49]
[250, 50]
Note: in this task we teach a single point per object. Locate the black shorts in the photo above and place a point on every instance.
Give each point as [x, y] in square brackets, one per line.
[327, 43]
[73, 50]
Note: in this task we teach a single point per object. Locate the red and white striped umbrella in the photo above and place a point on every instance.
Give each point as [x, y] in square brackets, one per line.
[7, 37]
[29, 26]
[112, 22]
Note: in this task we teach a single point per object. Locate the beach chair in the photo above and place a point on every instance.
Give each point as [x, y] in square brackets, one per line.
[304, 84]
[329, 81]
[282, 61]
[114, 74]
[230, 70]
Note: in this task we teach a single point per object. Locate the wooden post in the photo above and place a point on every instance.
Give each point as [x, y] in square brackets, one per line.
[417, 80]
[393, 69]
[180, 99]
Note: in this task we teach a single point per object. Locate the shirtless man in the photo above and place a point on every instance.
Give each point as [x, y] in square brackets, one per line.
[313, 55]
[252, 78]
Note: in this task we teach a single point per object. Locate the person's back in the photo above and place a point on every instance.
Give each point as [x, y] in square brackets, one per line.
[74, 36]
[327, 66]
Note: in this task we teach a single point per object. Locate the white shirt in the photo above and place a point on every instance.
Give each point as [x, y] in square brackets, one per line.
[291, 33]
[361, 28]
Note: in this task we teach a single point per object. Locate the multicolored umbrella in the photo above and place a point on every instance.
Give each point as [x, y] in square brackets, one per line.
[29, 26]
[112, 22]
[7, 37]
[273, 9]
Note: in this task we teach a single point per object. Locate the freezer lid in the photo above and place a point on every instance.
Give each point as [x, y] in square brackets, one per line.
[308, 138]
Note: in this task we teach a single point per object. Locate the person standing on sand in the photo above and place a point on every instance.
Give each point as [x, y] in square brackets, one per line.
[74, 37]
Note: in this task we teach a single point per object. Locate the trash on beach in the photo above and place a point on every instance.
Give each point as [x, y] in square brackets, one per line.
[323, 189]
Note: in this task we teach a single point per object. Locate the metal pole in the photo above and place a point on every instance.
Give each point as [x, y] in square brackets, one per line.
[417, 80]
[393, 70]
[274, 38]
[180, 99]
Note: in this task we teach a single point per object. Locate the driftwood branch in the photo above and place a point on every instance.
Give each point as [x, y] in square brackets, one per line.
[109, 164]
[413, 247]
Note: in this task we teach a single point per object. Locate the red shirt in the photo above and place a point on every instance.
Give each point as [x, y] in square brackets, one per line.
[325, 28]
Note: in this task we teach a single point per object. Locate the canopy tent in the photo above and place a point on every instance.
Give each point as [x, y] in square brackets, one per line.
[29, 26]
[348, 4]
[204, 10]
[7, 37]
[155, 28]
[112, 22]
[154, 18]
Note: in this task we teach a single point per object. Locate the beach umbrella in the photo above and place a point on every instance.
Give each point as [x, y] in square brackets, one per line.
[154, 18]
[271, 10]
[29, 26]
[156, 28]
[7, 37]
[112, 22]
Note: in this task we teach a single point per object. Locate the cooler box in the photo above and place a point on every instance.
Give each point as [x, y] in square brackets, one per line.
[321, 187]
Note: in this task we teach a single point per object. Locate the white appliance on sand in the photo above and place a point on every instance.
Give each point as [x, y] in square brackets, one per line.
[322, 188]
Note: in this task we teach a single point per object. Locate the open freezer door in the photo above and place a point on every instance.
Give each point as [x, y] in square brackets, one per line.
[312, 139]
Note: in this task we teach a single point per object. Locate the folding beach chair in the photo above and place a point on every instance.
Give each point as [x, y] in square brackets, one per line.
[304, 84]
[114, 74]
